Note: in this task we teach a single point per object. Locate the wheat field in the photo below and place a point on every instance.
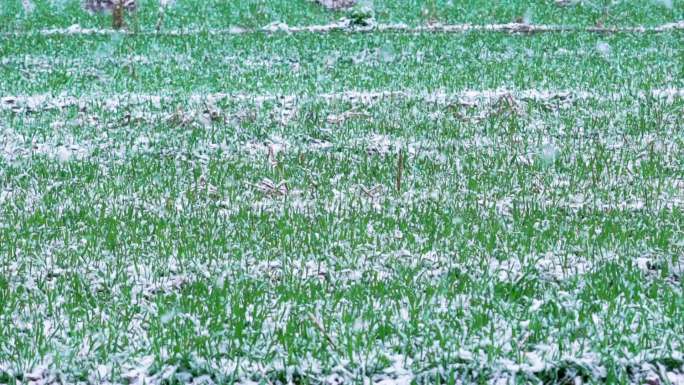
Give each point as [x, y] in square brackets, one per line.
[396, 192]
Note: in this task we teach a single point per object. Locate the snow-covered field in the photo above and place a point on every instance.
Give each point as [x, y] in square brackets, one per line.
[272, 192]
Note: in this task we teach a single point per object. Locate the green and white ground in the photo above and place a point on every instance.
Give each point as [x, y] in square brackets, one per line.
[237, 199]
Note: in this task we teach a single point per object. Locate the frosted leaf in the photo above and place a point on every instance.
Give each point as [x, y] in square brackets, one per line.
[664, 3]
[387, 53]
[603, 48]
[63, 154]
[337, 4]
[28, 6]
[527, 17]
[549, 153]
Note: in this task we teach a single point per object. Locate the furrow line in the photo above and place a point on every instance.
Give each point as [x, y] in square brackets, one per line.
[346, 25]
[47, 101]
